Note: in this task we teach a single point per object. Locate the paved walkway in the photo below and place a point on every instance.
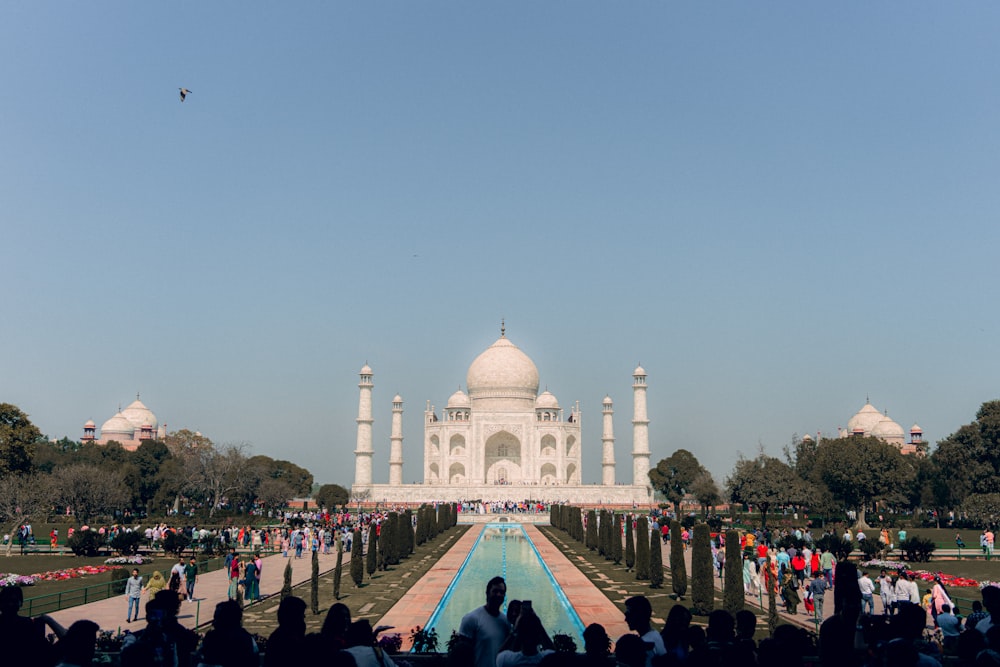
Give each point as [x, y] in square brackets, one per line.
[417, 605]
[211, 589]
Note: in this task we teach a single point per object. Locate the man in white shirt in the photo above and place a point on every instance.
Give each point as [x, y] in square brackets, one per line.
[485, 626]
[867, 587]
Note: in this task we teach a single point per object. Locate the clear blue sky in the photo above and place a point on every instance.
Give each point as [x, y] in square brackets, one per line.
[778, 209]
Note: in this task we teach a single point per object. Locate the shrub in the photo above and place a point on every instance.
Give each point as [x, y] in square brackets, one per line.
[563, 643]
[838, 547]
[175, 543]
[118, 579]
[733, 598]
[629, 545]
[286, 585]
[688, 521]
[358, 559]
[702, 585]
[371, 556]
[84, 542]
[314, 584]
[424, 641]
[870, 548]
[591, 530]
[678, 569]
[616, 540]
[655, 560]
[916, 549]
[126, 543]
[641, 549]
[338, 572]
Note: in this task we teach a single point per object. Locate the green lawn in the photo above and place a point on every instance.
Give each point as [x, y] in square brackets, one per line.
[39, 563]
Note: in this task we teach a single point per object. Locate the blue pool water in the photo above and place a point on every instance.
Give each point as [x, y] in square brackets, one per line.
[506, 550]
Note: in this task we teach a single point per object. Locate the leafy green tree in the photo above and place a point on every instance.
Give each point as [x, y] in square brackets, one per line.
[862, 471]
[89, 491]
[982, 506]
[674, 475]
[678, 569]
[655, 560]
[733, 597]
[968, 460]
[764, 483]
[297, 478]
[331, 496]
[616, 540]
[706, 492]
[642, 549]
[22, 500]
[629, 545]
[357, 559]
[17, 440]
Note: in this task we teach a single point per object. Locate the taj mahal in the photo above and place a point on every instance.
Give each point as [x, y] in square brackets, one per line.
[503, 441]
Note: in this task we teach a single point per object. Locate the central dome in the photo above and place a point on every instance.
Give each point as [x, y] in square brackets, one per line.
[502, 371]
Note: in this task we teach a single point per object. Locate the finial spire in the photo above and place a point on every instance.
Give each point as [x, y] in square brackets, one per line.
[137, 396]
[503, 329]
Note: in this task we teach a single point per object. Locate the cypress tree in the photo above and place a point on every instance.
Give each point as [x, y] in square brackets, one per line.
[733, 596]
[286, 584]
[655, 560]
[702, 585]
[357, 559]
[411, 538]
[578, 524]
[772, 607]
[314, 583]
[337, 570]
[591, 530]
[371, 556]
[629, 544]
[401, 540]
[616, 540]
[388, 539]
[678, 569]
[641, 549]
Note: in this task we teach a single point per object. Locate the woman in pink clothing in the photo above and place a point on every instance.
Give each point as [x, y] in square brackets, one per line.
[939, 598]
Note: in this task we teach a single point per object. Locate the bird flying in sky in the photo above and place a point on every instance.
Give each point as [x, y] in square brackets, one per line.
[184, 93]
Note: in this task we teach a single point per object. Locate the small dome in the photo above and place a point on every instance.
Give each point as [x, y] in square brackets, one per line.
[807, 438]
[140, 415]
[118, 425]
[639, 370]
[887, 428]
[546, 401]
[502, 371]
[89, 424]
[607, 400]
[397, 399]
[865, 419]
[916, 429]
[459, 400]
[366, 370]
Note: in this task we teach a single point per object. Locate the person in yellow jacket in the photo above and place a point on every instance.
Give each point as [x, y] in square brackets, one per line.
[156, 584]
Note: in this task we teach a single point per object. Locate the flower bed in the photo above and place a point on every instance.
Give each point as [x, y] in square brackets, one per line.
[128, 560]
[55, 575]
[924, 575]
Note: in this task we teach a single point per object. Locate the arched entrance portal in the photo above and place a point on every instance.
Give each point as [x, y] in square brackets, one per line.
[503, 459]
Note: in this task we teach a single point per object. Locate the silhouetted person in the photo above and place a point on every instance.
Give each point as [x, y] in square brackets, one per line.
[22, 641]
[485, 626]
[227, 644]
[77, 647]
[284, 643]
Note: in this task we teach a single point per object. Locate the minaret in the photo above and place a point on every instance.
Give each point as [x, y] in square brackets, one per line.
[396, 440]
[640, 430]
[608, 445]
[363, 452]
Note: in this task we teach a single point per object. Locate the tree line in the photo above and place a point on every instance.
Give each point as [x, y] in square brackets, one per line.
[832, 475]
[183, 471]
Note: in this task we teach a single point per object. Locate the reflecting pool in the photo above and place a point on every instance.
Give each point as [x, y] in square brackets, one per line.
[506, 550]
